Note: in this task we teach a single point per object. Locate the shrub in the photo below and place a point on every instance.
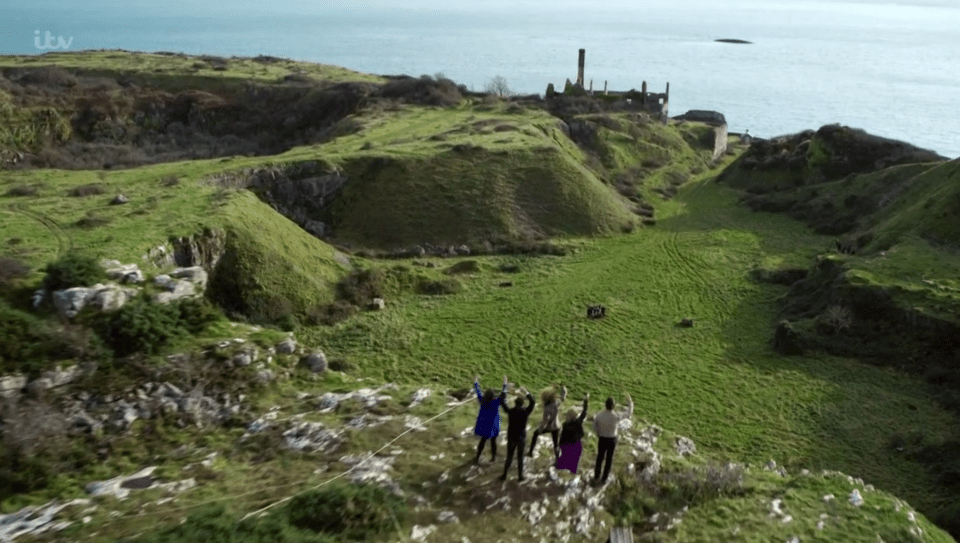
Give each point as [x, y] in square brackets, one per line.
[441, 287]
[219, 524]
[695, 486]
[49, 76]
[21, 342]
[268, 307]
[22, 190]
[34, 437]
[93, 221]
[196, 314]
[361, 287]
[330, 314]
[170, 181]
[87, 190]
[73, 270]
[11, 270]
[350, 512]
[424, 90]
[140, 326]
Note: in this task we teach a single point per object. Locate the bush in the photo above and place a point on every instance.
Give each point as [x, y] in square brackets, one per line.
[330, 314]
[361, 287]
[267, 307]
[53, 76]
[196, 314]
[219, 524]
[34, 436]
[696, 486]
[140, 326]
[22, 190]
[170, 181]
[20, 339]
[11, 270]
[73, 270]
[425, 90]
[87, 190]
[441, 287]
[350, 512]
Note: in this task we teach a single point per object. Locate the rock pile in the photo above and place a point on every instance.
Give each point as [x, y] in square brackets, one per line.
[178, 284]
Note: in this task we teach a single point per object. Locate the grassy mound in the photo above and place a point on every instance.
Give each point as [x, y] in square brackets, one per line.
[261, 264]
[497, 171]
[270, 268]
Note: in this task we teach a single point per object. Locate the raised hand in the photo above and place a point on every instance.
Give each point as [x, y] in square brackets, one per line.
[476, 378]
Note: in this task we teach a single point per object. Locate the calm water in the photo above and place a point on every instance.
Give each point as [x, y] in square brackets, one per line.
[890, 67]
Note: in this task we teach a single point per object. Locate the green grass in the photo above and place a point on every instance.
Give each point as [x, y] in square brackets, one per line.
[171, 71]
[267, 256]
[719, 382]
[464, 175]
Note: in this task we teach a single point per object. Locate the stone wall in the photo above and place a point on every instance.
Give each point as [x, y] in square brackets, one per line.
[719, 141]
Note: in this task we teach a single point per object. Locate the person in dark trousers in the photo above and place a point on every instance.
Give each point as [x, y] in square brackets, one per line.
[605, 423]
[549, 424]
[488, 419]
[517, 432]
[571, 434]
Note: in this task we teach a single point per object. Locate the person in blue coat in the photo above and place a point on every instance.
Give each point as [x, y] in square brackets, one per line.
[488, 419]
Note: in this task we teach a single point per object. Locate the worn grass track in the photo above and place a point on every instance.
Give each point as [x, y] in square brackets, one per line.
[719, 382]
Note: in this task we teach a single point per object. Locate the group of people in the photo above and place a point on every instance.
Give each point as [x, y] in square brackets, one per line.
[567, 438]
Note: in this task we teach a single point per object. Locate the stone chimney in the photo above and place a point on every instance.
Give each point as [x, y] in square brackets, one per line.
[583, 54]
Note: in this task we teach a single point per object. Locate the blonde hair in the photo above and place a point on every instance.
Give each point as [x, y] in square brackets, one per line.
[571, 414]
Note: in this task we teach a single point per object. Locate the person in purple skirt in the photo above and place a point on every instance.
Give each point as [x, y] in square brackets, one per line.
[488, 419]
[571, 434]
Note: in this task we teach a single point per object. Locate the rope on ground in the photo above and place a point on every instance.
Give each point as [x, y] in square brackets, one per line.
[355, 466]
[269, 486]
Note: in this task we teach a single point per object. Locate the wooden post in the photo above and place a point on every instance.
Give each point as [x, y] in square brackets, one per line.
[580, 62]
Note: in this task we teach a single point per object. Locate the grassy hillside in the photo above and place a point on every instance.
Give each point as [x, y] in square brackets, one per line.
[466, 175]
[267, 259]
[474, 170]
[718, 382]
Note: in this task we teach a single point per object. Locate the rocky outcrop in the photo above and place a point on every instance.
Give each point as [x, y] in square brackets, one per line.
[180, 283]
[204, 249]
[11, 385]
[123, 273]
[101, 297]
[298, 191]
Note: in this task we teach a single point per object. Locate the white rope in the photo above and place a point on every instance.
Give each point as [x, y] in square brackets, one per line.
[355, 466]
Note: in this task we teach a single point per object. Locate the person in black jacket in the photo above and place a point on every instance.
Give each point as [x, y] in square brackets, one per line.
[517, 432]
[571, 434]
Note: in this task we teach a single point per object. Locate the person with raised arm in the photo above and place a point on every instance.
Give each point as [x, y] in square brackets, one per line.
[549, 423]
[517, 431]
[488, 419]
[605, 423]
[571, 436]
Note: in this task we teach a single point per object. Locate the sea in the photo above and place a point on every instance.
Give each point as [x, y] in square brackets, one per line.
[890, 67]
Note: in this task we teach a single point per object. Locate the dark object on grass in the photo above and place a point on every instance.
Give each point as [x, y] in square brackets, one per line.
[138, 483]
[510, 268]
[686, 323]
[787, 340]
[596, 312]
[506, 284]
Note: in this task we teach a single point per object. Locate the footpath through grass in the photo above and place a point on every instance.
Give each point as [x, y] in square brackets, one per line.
[719, 382]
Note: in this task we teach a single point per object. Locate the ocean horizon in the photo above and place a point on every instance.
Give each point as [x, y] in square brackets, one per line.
[891, 68]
